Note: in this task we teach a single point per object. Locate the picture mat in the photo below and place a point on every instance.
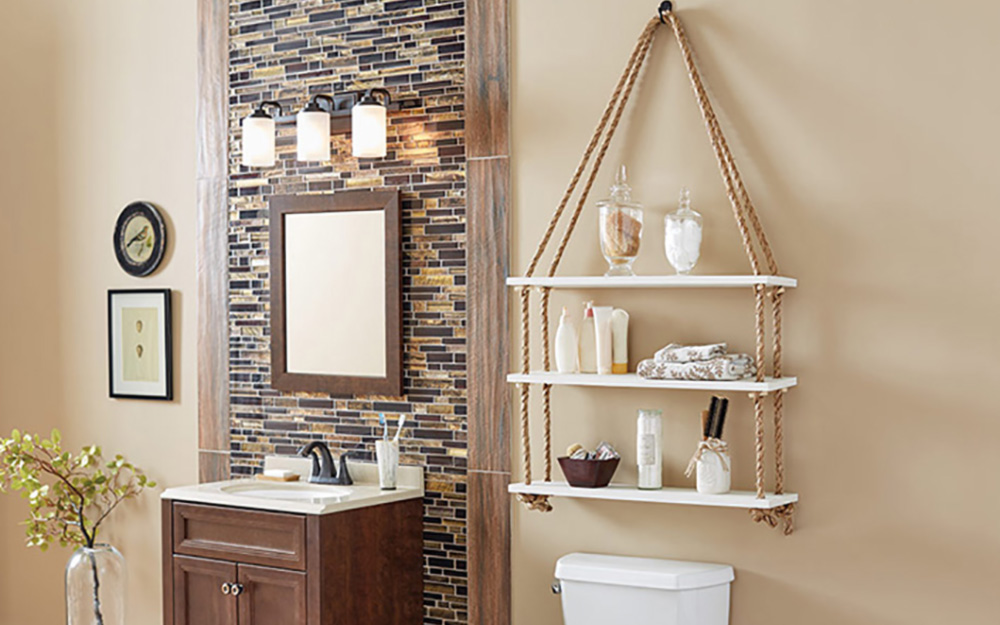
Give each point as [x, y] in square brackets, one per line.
[119, 385]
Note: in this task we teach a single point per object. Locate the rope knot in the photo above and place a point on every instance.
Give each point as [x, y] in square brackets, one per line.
[774, 516]
[536, 502]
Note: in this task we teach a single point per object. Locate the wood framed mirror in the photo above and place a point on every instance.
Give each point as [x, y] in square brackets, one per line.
[336, 296]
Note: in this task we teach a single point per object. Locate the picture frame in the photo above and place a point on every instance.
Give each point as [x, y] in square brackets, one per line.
[140, 344]
[362, 270]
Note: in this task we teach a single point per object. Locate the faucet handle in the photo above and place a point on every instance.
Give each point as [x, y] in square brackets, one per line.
[343, 475]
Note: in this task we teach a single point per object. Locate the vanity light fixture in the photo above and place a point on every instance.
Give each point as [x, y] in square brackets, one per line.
[258, 136]
[313, 129]
[323, 115]
[368, 124]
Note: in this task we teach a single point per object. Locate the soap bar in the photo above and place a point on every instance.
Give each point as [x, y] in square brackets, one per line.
[278, 475]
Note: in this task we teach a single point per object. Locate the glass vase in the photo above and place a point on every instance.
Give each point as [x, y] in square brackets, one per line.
[620, 227]
[95, 587]
[682, 236]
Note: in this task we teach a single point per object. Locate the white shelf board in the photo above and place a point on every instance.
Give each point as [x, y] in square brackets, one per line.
[647, 282]
[683, 496]
[631, 380]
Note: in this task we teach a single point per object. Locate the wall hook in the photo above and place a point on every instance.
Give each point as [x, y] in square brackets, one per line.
[665, 7]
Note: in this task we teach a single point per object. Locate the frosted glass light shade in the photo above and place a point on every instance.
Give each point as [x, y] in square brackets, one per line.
[258, 141]
[368, 130]
[313, 129]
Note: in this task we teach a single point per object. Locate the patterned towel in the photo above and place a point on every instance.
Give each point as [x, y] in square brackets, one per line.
[726, 367]
[690, 353]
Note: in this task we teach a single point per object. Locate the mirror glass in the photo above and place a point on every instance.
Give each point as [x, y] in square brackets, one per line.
[335, 293]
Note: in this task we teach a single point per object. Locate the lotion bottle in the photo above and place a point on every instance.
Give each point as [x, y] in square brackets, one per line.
[649, 449]
[619, 338]
[602, 327]
[588, 341]
[567, 344]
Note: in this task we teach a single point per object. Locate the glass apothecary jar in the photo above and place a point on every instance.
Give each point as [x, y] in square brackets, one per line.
[682, 236]
[95, 587]
[621, 227]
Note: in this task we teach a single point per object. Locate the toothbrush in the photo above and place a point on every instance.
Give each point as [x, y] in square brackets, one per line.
[385, 426]
[399, 428]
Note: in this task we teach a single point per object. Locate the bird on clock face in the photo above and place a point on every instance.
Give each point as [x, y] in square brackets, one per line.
[140, 237]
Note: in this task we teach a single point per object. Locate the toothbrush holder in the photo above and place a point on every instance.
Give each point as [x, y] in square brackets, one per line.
[713, 475]
[712, 467]
[387, 455]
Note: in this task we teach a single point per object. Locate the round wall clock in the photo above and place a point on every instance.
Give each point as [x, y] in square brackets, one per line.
[140, 239]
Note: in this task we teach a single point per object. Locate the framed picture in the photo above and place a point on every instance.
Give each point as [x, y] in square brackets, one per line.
[140, 359]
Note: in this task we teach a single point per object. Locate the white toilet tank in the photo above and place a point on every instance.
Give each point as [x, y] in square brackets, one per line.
[613, 590]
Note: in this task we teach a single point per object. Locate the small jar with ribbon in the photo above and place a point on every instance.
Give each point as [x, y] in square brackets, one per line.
[711, 464]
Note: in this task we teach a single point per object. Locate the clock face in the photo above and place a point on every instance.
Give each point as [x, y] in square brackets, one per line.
[140, 239]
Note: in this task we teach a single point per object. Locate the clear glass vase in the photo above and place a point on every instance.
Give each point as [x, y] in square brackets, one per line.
[620, 227]
[95, 587]
[682, 235]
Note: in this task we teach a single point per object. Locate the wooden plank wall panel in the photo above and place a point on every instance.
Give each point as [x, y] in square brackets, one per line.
[489, 421]
[213, 466]
[487, 83]
[212, 196]
[487, 93]
[489, 549]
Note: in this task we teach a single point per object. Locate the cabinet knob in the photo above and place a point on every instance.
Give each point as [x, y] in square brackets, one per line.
[226, 588]
[237, 590]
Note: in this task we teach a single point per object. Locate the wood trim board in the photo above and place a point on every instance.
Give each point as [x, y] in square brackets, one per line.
[212, 123]
[487, 96]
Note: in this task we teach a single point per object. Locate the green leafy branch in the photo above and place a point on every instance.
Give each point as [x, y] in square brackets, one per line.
[69, 496]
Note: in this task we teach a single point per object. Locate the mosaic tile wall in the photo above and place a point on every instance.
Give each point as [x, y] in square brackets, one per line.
[288, 51]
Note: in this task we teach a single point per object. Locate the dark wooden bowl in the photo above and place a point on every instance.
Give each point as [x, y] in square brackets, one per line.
[588, 473]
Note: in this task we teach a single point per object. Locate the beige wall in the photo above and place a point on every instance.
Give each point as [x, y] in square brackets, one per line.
[867, 133]
[97, 111]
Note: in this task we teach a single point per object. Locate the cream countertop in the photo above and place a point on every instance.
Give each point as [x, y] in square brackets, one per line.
[302, 497]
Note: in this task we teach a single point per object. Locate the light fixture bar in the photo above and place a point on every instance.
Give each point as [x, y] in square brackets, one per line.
[364, 114]
[340, 117]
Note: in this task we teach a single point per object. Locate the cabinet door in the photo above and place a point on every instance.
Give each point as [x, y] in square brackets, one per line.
[271, 596]
[201, 592]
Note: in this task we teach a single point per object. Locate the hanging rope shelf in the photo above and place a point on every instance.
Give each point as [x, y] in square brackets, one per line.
[764, 508]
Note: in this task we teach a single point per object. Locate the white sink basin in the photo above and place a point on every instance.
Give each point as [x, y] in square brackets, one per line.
[315, 493]
[303, 497]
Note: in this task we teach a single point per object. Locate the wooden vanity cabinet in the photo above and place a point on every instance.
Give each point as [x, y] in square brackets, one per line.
[233, 566]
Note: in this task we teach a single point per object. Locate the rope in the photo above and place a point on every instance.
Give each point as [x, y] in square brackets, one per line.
[534, 502]
[525, 388]
[759, 330]
[602, 124]
[758, 422]
[722, 154]
[621, 95]
[777, 295]
[782, 514]
[547, 388]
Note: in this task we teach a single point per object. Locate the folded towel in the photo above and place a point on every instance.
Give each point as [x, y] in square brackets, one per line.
[726, 367]
[690, 353]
